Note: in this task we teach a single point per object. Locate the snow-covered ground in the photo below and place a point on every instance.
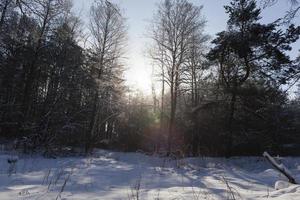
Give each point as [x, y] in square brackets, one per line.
[114, 175]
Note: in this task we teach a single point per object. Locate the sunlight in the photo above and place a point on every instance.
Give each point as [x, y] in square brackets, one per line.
[149, 99]
[138, 75]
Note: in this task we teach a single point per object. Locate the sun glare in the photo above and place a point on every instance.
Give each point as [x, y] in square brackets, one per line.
[138, 75]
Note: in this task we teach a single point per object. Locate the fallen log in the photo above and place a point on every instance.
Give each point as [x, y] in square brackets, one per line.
[280, 167]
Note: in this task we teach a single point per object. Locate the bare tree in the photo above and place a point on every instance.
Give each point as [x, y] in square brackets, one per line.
[108, 31]
[174, 25]
[196, 65]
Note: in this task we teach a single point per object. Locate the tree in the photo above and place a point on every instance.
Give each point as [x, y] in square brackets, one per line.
[55, 62]
[196, 65]
[173, 28]
[108, 31]
[45, 12]
[52, 88]
[250, 50]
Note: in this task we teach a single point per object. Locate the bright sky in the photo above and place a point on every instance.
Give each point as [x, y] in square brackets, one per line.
[139, 14]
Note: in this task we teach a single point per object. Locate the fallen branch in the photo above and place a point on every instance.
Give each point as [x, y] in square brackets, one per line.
[280, 167]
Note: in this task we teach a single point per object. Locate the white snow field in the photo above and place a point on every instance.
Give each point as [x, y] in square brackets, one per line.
[114, 175]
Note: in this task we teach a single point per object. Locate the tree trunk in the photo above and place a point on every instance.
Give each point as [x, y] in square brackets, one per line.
[171, 121]
[280, 167]
[229, 137]
[161, 128]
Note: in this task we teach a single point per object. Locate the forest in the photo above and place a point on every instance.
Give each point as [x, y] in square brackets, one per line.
[231, 94]
[220, 119]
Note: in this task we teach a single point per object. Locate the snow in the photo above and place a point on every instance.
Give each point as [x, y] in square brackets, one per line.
[279, 185]
[281, 167]
[116, 175]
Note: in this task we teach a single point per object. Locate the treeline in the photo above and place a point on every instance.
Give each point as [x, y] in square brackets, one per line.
[61, 82]
[57, 87]
[229, 96]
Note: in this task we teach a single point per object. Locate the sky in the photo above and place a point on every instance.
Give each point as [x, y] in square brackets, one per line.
[139, 14]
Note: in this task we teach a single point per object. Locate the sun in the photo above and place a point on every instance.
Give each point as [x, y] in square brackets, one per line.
[138, 75]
